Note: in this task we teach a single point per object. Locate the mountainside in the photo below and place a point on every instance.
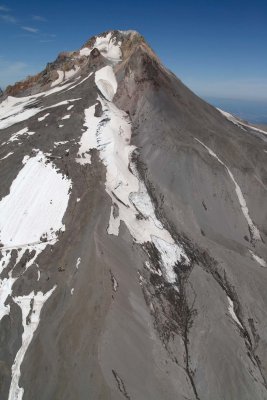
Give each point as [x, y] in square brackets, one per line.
[132, 235]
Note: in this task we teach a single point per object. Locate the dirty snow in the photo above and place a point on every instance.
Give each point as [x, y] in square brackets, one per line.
[59, 79]
[69, 74]
[106, 82]
[78, 262]
[115, 284]
[31, 306]
[111, 134]
[150, 268]
[232, 312]
[258, 259]
[254, 230]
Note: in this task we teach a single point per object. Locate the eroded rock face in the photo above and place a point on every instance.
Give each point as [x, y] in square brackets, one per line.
[132, 233]
[95, 53]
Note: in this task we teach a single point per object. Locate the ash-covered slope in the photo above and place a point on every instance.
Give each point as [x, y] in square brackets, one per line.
[132, 230]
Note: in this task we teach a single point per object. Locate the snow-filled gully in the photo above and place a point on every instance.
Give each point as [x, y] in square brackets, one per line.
[254, 231]
[110, 134]
[30, 220]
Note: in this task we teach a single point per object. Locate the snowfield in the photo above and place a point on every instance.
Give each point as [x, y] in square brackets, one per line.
[36, 204]
[111, 135]
[30, 219]
[13, 111]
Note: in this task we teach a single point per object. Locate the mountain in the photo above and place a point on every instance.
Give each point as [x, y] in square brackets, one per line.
[133, 235]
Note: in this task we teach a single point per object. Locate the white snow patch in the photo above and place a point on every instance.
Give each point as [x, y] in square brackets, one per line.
[79, 83]
[107, 47]
[69, 74]
[258, 259]
[114, 223]
[78, 262]
[88, 139]
[241, 124]
[43, 117]
[25, 159]
[38, 274]
[33, 209]
[6, 284]
[14, 110]
[59, 79]
[36, 203]
[66, 117]
[56, 89]
[56, 144]
[106, 82]
[232, 312]
[70, 107]
[72, 291]
[31, 306]
[5, 291]
[254, 230]
[78, 199]
[16, 135]
[8, 155]
[85, 51]
[62, 103]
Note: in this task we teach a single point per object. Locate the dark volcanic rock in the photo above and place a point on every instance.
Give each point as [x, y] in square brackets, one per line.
[133, 228]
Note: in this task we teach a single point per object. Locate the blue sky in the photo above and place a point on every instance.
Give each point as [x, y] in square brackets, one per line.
[217, 48]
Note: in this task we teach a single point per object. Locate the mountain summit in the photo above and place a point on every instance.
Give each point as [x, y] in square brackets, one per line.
[132, 235]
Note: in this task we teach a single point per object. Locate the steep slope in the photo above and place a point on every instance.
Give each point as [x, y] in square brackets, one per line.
[132, 231]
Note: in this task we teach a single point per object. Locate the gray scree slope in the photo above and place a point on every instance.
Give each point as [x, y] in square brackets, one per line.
[132, 233]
